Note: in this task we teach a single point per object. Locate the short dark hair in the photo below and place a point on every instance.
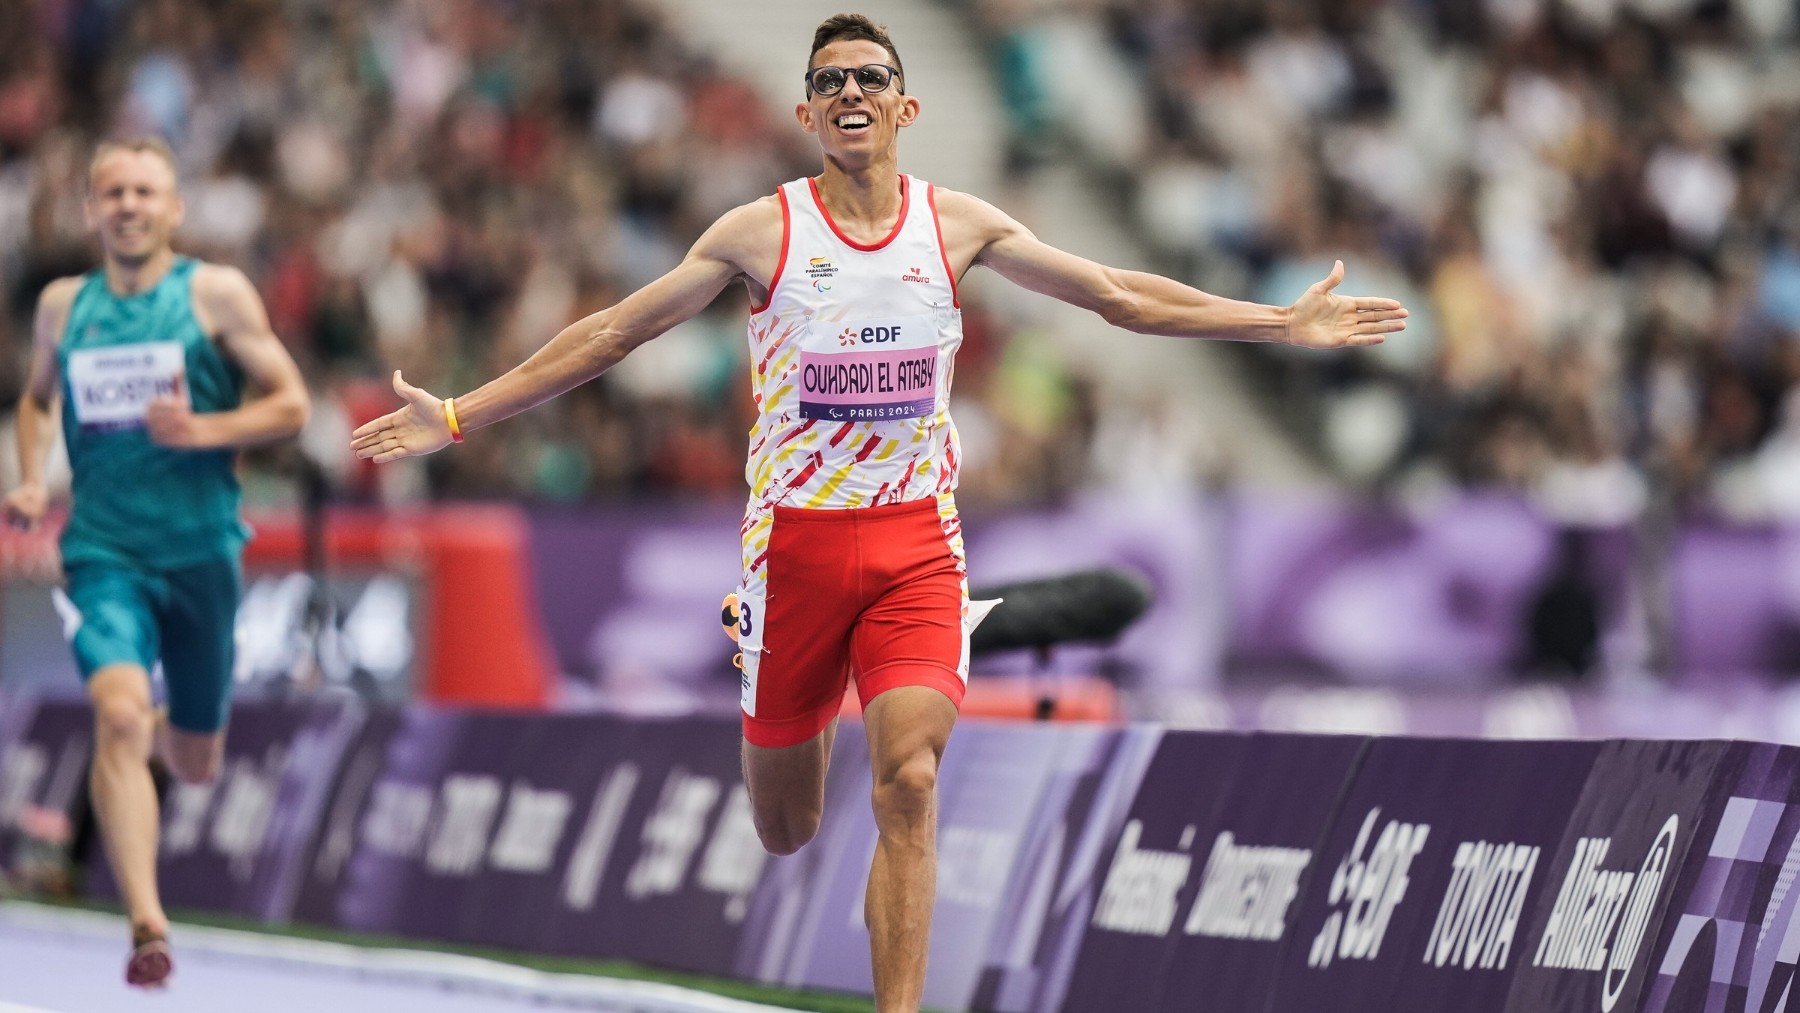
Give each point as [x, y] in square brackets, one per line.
[851, 28]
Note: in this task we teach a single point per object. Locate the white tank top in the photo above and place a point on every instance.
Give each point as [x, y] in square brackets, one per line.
[851, 359]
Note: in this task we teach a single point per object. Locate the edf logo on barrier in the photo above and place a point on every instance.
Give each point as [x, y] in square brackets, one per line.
[1371, 887]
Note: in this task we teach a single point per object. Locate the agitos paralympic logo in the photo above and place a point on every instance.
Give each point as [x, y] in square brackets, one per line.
[819, 269]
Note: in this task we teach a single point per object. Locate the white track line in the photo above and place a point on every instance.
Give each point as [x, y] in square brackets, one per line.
[451, 970]
[13, 1007]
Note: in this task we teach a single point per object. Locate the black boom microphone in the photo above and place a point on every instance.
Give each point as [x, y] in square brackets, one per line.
[1088, 606]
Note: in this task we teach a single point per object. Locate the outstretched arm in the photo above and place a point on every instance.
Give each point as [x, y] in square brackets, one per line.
[579, 352]
[1150, 304]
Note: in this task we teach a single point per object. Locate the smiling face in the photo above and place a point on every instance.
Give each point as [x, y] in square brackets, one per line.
[854, 127]
[132, 204]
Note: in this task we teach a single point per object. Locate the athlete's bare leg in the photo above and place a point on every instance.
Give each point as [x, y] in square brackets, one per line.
[908, 728]
[192, 756]
[124, 797]
[787, 790]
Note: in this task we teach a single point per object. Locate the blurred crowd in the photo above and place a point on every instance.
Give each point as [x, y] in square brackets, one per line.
[438, 186]
[1591, 206]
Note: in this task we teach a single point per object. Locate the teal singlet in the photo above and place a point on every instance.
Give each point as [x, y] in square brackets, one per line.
[135, 502]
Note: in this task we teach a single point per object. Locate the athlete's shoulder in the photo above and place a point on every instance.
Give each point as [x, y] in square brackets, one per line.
[62, 291]
[967, 215]
[55, 301]
[760, 213]
[213, 280]
[745, 231]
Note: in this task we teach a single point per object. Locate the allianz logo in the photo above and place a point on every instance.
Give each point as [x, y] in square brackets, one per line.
[1245, 890]
[1601, 915]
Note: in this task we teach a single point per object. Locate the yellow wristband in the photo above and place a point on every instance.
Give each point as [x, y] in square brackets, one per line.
[456, 435]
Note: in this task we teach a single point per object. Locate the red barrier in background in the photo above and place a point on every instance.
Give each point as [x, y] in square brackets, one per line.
[481, 640]
[1049, 698]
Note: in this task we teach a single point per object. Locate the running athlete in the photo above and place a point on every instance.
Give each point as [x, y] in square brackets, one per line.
[853, 564]
[149, 359]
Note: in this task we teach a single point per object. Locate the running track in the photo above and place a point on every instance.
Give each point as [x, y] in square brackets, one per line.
[64, 961]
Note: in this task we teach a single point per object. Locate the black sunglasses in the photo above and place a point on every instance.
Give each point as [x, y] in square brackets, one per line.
[871, 78]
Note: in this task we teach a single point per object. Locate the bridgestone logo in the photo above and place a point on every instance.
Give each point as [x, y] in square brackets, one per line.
[1246, 891]
[1601, 915]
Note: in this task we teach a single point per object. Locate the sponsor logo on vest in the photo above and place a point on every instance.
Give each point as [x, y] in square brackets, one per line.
[1479, 916]
[914, 274]
[819, 269]
[1245, 891]
[1370, 888]
[1601, 915]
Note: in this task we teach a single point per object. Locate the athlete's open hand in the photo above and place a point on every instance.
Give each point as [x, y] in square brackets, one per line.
[25, 506]
[1323, 319]
[419, 428]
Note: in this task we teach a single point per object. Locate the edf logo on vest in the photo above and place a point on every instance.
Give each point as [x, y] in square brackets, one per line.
[874, 334]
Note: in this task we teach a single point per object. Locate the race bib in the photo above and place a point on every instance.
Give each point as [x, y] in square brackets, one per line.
[869, 370]
[111, 387]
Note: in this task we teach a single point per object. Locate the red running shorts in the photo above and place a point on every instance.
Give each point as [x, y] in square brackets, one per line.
[875, 594]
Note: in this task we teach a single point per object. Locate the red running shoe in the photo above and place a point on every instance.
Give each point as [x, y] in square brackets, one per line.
[151, 961]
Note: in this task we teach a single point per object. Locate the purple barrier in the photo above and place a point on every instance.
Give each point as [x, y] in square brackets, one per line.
[1586, 948]
[1420, 887]
[580, 834]
[1731, 941]
[673, 887]
[44, 748]
[1132, 929]
[239, 845]
[1200, 883]
[1082, 868]
[1084, 808]
[1009, 796]
[324, 897]
[16, 711]
[798, 913]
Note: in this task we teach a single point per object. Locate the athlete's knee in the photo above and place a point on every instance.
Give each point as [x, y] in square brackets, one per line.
[906, 792]
[786, 826]
[123, 718]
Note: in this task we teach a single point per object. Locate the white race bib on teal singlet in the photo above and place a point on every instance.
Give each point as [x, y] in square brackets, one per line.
[110, 388]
